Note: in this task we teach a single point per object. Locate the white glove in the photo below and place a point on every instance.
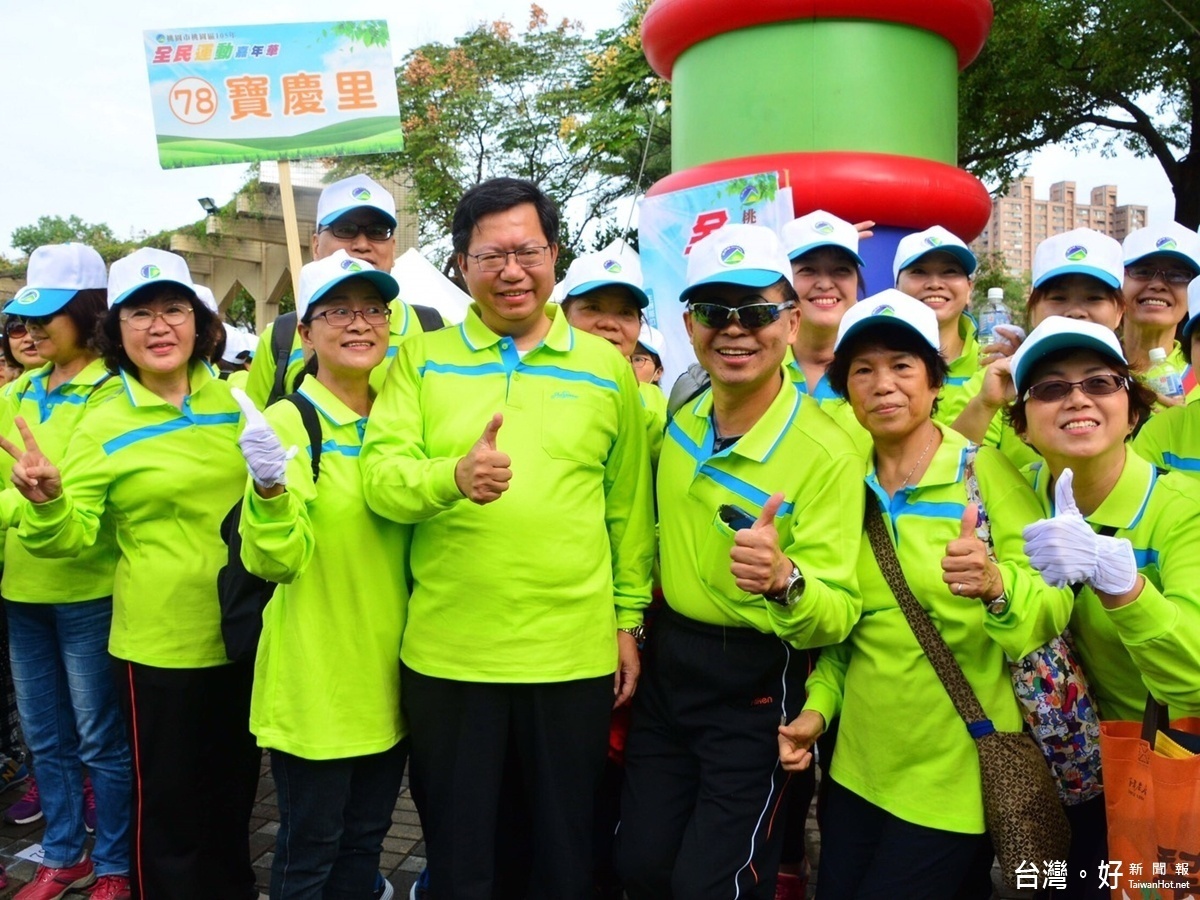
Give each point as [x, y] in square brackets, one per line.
[1066, 550]
[265, 457]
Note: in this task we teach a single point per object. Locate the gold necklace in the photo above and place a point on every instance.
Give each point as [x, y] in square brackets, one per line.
[920, 459]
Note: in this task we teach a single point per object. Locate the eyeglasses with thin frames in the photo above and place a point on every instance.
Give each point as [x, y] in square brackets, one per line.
[341, 316]
[496, 260]
[142, 319]
[1095, 386]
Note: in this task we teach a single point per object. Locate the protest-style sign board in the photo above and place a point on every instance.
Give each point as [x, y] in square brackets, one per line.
[246, 93]
[668, 225]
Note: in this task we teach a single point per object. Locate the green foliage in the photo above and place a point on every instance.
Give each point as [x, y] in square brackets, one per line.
[57, 230]
[548, 103]
[371, 33]
[1091, 75]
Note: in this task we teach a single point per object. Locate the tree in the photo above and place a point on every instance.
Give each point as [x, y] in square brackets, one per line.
[549, 104]
[57, 230]
[1089, 75]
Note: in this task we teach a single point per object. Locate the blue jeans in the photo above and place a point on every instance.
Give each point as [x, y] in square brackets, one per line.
[69, 712]
[333, 817]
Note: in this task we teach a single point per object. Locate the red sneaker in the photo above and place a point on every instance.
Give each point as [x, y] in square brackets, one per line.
[50, 884]
[111, 887]
[790, 887]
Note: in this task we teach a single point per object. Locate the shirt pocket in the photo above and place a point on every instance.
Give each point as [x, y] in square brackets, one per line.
[578, 426]
[714, 562]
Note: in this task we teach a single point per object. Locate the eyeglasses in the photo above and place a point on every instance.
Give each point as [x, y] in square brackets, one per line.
[16, 329]
[348, 231]
[751, 316]
[639, 359]
[19, 326]
[496, 260]
[1095, 386]
[1149, 273]
[341, 317]
[142, 319]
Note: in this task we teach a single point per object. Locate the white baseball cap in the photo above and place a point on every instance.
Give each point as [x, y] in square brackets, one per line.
[56, 273]
[205, 296]
[746, 255]
[237, 344]
[819, 229]
[912, 247]
[1060, 333]
[651, 339]
[892, 308]
[146, 267]
[319, 276]
[355, 192]
[1171, 239]
[596, 270]
[1193, 309]
[1079, 252]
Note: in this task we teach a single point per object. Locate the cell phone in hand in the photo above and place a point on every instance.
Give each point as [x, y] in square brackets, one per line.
[735, 517]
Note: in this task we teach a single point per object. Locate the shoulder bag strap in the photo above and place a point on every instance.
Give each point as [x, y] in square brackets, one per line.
[312, 424]
[282, 337]
[430, 318]
[966, 704]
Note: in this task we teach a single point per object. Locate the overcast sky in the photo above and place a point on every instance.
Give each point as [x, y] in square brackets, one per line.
[79, 138]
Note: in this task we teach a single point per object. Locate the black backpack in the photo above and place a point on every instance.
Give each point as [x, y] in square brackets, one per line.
[242, 595]
[284, 336]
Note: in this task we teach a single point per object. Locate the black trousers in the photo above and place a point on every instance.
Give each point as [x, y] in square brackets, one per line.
[195, 773]
[703, 784]
[869, 854]
[462, 732]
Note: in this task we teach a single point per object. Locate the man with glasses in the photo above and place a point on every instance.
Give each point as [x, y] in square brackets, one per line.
[358, 215]
[760, 496]
[515, 447]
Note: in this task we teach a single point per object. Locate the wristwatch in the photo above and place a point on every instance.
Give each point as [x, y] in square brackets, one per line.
[792, 592]
[999, 606]
[638, 632]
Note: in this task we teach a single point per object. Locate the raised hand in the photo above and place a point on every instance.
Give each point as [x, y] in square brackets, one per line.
[38, 479]
[966, 566]
[759, 566]
[484, 473]
[265, 457]
[1005, 341]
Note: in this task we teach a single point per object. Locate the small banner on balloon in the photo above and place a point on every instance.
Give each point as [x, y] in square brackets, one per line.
[668, 226]
[245, 93]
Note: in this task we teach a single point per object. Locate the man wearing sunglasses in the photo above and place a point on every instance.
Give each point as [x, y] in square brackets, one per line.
[759, 497]
[358, 215]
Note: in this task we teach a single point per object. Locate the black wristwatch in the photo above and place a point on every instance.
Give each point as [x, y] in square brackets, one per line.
[791, 594]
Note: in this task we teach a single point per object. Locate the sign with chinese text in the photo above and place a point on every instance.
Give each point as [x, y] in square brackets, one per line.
[245, 93]
[668, 225]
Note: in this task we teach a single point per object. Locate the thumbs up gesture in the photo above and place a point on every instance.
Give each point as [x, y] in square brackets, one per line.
[966, 566]
[265, 457]
[484, 473]
[1066, 550]
[759, 566]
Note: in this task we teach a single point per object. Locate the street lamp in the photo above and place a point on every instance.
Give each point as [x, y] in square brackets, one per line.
[209, 207]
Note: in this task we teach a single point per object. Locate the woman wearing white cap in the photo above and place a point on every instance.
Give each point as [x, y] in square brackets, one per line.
[326, 696]
[1171, 439]
[1076, 275]
[904, 816]
[60, 610]
[1160, 261]
[158, 465]
[1123, 533]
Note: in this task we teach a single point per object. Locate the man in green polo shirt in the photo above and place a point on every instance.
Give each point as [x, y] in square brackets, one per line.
[758, 498]
[515, 446]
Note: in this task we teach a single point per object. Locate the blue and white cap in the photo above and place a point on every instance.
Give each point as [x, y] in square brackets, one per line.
[746, 255]
[650, 338]
[56, 273]
[1060, 333]
[1171, 239]
[894, 309]
[144, 268]
[355, 192]
[819, 229]
[912, 247]
[1193, 310]
[1079, 252]
[617, 265]
[322, 275]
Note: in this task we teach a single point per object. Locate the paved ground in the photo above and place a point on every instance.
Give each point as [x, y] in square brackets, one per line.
[403, 850]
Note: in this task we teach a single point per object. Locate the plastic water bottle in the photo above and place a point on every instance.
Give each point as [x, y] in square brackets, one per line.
[993, 313]
[1161, 376]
